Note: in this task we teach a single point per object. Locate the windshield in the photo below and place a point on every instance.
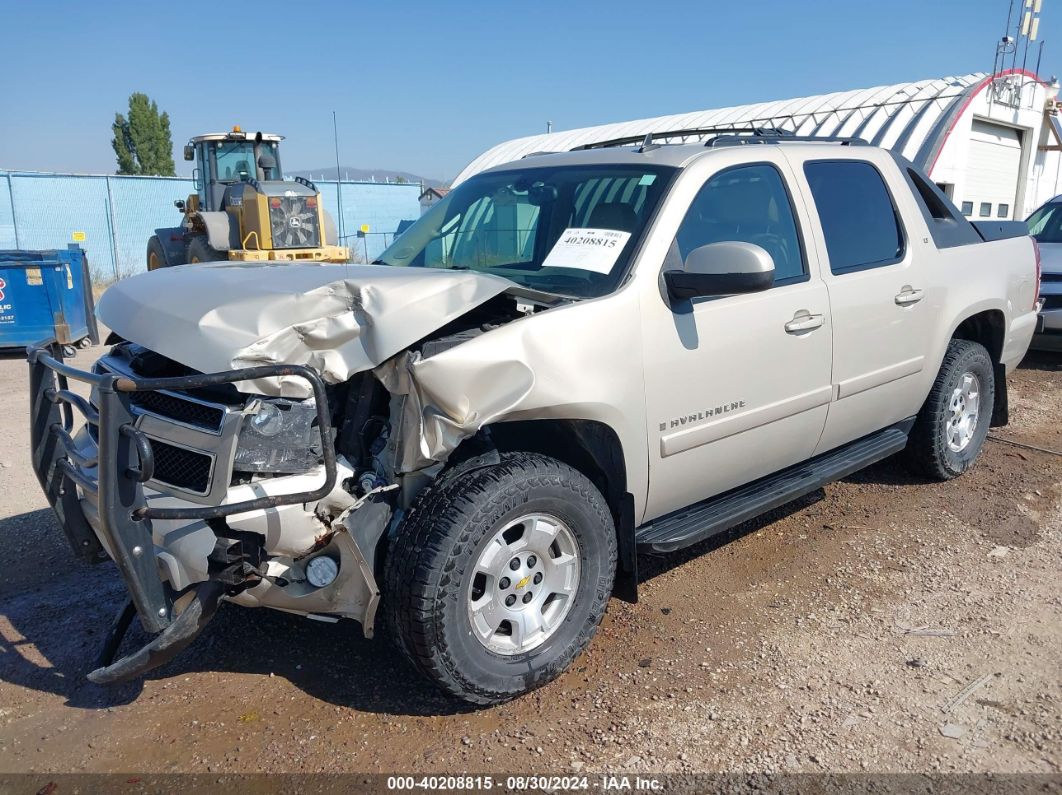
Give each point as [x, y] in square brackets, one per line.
[235, 161]
[567, 230]
[1046, 223]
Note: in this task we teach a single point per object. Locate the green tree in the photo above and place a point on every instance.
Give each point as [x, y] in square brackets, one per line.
[142, 142]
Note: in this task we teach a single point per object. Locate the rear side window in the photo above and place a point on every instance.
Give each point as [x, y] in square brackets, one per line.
[946, 224]
[859, 220]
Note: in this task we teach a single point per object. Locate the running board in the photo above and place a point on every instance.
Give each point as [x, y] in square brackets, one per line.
[718, 514]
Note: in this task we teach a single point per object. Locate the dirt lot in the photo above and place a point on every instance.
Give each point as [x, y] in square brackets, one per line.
[883, 624]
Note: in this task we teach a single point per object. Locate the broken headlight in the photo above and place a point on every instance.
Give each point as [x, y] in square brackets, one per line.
[278, 436]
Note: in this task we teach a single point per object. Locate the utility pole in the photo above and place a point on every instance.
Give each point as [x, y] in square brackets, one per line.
[339, 177]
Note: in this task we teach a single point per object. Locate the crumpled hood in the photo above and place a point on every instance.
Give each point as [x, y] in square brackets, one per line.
[337, 319]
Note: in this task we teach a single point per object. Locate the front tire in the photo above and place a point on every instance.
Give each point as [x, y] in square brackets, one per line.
[500, 577]
[199, 250]
[953, 423]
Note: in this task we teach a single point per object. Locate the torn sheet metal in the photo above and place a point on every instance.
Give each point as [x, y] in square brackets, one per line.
[435, 417]
[338, 319]
[527, 369]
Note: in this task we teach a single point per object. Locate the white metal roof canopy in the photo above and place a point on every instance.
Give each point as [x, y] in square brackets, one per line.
[913, 119]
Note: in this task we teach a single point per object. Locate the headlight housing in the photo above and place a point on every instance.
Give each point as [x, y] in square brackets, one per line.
[278, 436]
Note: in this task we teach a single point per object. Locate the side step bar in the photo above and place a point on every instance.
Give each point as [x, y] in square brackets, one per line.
[718, 514]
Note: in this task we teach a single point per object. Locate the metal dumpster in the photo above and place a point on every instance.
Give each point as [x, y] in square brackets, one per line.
[46, 295]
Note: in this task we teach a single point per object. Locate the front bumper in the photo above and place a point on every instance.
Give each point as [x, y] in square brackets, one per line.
[98, 491]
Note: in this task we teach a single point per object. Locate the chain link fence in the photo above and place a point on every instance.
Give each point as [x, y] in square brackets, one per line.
[112, 217]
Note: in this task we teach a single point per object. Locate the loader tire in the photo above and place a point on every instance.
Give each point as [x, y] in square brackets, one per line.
[156, 256]
[199, 250]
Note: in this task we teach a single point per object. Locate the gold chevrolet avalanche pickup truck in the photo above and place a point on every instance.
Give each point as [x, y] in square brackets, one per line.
[568, 359]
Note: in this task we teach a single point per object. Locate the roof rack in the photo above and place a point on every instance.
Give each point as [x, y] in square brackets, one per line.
[761, 135]
[720, 136]
[649, 139]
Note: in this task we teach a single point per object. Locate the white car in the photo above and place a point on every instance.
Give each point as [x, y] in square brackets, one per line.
[1045, 225]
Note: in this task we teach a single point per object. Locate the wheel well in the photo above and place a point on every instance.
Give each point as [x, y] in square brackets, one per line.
[590, 447]
[986, 328]
[989, 329]
[593, 449]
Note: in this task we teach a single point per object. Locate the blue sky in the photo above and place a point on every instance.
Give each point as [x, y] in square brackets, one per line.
[426, 86]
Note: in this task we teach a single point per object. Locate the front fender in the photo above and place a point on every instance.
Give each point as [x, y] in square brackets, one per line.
[222, 229]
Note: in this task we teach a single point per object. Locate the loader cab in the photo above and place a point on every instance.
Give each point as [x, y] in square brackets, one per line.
[224, 159]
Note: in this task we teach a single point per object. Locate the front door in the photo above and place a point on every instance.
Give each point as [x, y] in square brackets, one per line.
[737, 387]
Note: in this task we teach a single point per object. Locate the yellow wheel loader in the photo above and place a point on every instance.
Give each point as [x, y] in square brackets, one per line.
[243, 208]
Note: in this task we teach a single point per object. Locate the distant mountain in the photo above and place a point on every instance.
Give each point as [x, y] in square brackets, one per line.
[369, 175]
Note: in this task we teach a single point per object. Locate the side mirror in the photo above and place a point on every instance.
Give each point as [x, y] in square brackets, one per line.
[266, 162]
[189, 152]
[727, 268]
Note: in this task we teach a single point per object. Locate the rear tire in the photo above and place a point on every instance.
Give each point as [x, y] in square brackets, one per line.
[953, 423]
[156, 255]
[199, 250]
[500, 576]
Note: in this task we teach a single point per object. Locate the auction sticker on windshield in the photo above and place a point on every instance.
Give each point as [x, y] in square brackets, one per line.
[587, 249]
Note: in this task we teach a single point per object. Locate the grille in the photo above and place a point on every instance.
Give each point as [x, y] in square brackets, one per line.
[175, 408]
[182, 468]
[293, 222]
[1051, 277]
[1053, 302]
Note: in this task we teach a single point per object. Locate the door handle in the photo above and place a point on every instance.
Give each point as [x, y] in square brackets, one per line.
[803, 321]
[909, 295]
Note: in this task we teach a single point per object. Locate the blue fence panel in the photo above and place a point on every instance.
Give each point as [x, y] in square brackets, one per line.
[116, 215]
[8, 239]
[142, 205]
[379, 205]
[49, 209]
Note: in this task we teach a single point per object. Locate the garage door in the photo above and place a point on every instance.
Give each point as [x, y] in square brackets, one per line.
[992, 171]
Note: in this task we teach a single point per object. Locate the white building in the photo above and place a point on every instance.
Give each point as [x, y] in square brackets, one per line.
[993, 143]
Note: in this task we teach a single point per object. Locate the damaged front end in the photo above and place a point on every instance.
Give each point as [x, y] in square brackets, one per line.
[276, 479]
[200, 493]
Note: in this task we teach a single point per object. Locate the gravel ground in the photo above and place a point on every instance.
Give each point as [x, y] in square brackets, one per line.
[881, 624]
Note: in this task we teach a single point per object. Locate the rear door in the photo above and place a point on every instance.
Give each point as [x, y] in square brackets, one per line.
[880, 299]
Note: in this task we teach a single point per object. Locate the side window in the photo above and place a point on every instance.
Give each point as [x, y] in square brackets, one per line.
[1046, 223]
[946, 225]
[858, 218]
[748, 204]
